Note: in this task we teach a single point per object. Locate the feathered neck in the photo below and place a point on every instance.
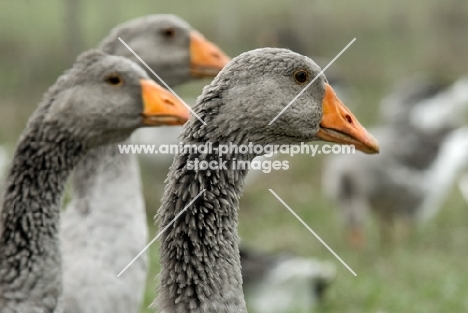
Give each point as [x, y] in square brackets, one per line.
[107, 164]
[200, 262]
[29, 249]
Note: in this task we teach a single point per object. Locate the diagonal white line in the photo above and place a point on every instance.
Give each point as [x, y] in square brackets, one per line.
[162, 81]
[308, 85]
[160, 233]
[313, 233]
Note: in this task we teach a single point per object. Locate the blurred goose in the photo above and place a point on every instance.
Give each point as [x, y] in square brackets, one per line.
[393, 184]
[64, 127]
[104, 226]
[393, 191]
[200, 266]
[284, 284]
[174, 51]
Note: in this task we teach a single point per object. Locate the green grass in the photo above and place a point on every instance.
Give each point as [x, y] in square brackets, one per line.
[395, 39]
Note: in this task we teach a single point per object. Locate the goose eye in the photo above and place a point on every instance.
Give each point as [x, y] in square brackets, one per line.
[168, 32]
[301, 76]
[114, 80]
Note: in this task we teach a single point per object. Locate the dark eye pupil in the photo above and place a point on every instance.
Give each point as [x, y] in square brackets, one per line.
[168, 32]
[301, 76]
[114, 80]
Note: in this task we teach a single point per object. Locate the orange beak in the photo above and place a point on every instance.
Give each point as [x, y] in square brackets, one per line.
[339, 125]
[161, 107]
[206, 59]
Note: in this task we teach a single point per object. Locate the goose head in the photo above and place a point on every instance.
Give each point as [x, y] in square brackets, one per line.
[257, 85]
[103, 98]
[170, 47]
[237, 107]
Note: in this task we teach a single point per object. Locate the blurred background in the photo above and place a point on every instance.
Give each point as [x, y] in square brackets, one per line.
[395, 40]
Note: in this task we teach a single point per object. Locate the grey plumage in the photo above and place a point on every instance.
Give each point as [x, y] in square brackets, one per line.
[104, 226]
[82, 110]
[199, 252]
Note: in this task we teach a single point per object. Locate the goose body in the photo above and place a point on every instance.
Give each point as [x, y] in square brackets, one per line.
[64, 127]
[105, 226]
[200, 265]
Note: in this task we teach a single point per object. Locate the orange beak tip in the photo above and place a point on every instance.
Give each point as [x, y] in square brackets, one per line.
[372, 144]
[161, 107]
[339, 125]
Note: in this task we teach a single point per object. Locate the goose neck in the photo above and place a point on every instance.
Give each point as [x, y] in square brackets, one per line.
[29, 250]
[199, 252]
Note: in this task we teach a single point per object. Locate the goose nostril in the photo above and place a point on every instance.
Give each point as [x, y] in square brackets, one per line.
[215, 55]
[349, 119]
[168, 102]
